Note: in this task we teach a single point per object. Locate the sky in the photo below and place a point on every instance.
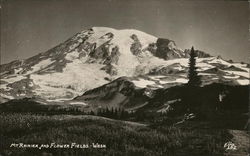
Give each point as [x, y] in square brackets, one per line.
[218, 27]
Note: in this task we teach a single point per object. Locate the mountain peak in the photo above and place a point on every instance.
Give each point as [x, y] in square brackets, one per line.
[102, 29]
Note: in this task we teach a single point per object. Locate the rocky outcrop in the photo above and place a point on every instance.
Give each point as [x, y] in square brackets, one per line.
[8, 69]
[166, 70]
[119, 93]
[166, 49]
[136, 46]
[152, 48]
[113, 58]
[110, 69]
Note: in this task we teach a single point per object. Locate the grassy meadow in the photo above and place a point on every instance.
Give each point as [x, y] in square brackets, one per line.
[118, 138]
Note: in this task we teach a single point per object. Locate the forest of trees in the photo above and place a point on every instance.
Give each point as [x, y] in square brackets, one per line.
[114, 113]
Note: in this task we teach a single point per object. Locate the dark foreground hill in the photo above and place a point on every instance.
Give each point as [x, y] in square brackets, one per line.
[114, 137]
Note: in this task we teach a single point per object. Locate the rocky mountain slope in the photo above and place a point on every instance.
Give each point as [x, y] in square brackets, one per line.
[123, 93]
[99, 55]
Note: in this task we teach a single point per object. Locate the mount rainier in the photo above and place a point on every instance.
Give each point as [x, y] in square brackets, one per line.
[100, 55]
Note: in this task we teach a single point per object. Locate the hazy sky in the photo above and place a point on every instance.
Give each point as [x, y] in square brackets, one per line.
[217, 27]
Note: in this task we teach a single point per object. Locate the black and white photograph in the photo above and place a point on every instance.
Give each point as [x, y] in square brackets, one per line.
[124, 78]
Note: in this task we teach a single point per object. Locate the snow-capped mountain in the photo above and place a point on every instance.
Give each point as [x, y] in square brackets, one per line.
[99, 55]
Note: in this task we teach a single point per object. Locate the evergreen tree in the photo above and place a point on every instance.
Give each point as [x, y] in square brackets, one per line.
[116, 113]
[91, 113]
[194, 79]
[112, 113]
[107, 112]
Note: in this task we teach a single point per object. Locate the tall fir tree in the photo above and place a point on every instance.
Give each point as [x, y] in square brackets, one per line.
[194, 79]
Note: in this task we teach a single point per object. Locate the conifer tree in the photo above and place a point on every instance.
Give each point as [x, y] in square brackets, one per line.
[194, 79]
